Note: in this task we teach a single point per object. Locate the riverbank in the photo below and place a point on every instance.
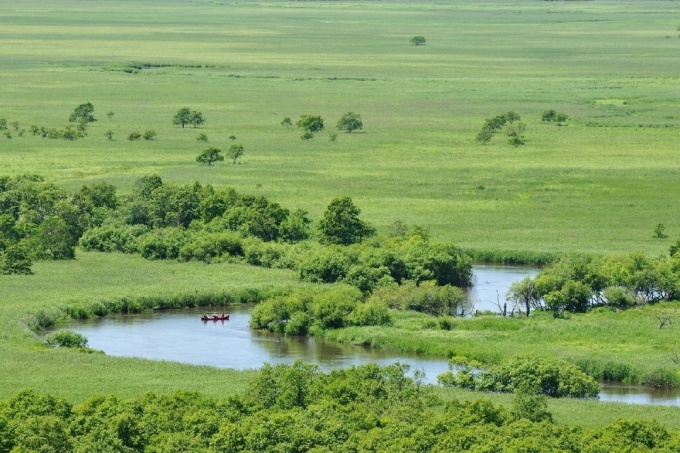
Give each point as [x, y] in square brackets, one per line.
[628, 346]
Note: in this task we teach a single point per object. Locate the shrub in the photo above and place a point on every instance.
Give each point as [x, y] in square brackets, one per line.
[531, 375]
[67, 339]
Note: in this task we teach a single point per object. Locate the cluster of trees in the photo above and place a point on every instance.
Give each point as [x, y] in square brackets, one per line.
[297, 408]
[185, 116]
[578, 283]
[526, 374]
[552, 116]
[39, 220]
[195, 222]
[311, 310]
[513, 129]
[212, 154]
[311, 124]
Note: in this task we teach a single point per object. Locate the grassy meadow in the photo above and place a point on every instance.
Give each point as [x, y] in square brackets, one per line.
[598, 185]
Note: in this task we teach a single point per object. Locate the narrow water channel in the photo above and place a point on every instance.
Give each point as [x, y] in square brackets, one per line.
[180, 336]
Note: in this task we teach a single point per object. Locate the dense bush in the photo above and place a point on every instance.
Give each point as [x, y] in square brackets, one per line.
[67, 339]
[298, 408]
[307, 309]
[527, 374]
[578, 283]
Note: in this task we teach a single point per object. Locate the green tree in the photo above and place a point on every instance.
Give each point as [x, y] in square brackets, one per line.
[53, 240]
[350, 121]
[150, 134]
[15, 260]
[84, 112]
[341, 224]
[110, 114]
[485, 135]
[235, 151]
[182, 117]
[418, 40]
[286, 122]
[202, 137]
[310, 124]
[109, 134]
[210, 155]
[196, 118]
[134, 136]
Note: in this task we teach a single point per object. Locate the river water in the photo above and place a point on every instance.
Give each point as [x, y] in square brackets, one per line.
[180, 336]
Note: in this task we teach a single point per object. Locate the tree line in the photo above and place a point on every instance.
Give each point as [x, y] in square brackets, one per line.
[297, 408]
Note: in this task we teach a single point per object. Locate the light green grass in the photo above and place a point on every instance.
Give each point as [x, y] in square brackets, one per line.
[28, 363]
[600, 184]
[598, 340]
[574, 188]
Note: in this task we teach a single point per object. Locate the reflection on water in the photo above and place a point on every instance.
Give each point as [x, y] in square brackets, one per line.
[180, 336]
[491, 283]
[636, 394]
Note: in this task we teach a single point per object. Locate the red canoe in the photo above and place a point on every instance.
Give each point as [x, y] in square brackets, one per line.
[215, 318]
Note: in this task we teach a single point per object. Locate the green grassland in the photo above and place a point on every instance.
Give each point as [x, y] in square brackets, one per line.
[598, 185]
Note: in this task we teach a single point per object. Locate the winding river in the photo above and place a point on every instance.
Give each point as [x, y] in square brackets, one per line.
[179, 335]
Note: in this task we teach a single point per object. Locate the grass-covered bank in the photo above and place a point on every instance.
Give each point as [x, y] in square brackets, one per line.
[94, 281]
[624, 346]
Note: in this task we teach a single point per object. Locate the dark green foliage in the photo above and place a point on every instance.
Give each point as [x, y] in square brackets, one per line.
[341, 224]
[349, 122]
[296, 227]
[67, 339]
[84, 112]
[149, 134]
[286, 122]
[426, 298]
[207, 247]
[484, 136]
[310, 124]
[298, 408]
[182, 117]
[530, 375]
[306, 310]
[552, 116]
[202, 137]
[578, 283]
[235, 151]
[418, 40]
[15, 260]
[196, 118]
[134, 136]
[210, 155]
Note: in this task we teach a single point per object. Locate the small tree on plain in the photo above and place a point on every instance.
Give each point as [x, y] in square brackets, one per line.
[484, 136]
[196, 118]
[149, 134]
[341, 224]
[210, 155]
[418, 40]
[286, 122]
[350, 121]
[109, 134]
[84, 112]
[310, 125]
[235, 151]
[134, 136]
[182, 117]
[202, 137]
[110, 114]
[3, 124]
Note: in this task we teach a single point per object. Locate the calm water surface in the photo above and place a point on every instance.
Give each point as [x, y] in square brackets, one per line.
[180, 336]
